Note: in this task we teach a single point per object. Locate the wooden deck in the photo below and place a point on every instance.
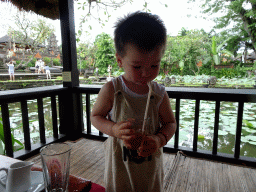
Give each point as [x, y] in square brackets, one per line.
[182, 173]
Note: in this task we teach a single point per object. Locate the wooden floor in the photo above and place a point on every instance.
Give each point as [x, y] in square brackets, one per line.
[182, 173]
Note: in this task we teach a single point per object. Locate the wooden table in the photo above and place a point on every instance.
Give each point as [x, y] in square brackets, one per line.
[76, 184]
[5, 162]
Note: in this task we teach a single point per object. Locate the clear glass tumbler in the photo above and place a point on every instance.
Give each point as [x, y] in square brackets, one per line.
[56, 162]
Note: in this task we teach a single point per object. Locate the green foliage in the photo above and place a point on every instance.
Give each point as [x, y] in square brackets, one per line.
[59, 77]
[18, 62]
[86, 55]
[84, 64]
[30, 31]
[188, 49]
[214, 46]
[47, 60]
[56, 62]
[2, 141]
[30, 64]
[230, 72]
[32, 61]
[105, 54]
[175, 70]
[235, 18]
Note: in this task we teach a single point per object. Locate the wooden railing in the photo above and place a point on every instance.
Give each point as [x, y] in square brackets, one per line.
[22, 96]
[198, 94]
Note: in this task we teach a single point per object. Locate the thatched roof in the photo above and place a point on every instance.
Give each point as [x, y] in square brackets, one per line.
[28, 41]
[7, 38]
[46, 8]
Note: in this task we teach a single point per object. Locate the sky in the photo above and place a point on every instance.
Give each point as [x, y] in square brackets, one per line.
[175, 16]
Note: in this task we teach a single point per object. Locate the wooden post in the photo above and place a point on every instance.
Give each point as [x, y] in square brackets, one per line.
[71, 102]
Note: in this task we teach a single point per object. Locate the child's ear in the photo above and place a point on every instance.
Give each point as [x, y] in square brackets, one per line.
[119, 60]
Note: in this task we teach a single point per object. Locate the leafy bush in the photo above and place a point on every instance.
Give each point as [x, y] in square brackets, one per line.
[236, 63]
[231, 72]
[30, 64]
[206, 69]
[59, 77]
[2, 141]
[84, 64]
[105, 54]
[18, 62]
[47, 60]
[175, 70]
[56, 62]
[33, 61]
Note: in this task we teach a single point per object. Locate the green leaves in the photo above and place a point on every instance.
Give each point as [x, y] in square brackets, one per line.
[238, 18]
[2, 141]
[248, 124]
[105, 54]
[214, 46]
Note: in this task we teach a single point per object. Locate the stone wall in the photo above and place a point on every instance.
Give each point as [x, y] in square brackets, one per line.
[10, 85]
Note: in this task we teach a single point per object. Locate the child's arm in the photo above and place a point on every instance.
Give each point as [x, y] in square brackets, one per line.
[100, 111]
[167, 130]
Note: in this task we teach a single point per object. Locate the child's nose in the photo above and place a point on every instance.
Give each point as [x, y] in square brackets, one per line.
[146, 73]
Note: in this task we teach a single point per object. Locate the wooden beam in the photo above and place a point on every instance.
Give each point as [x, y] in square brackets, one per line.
[68, 36]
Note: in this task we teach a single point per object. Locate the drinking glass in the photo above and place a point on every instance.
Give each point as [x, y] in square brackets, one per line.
[56, 163]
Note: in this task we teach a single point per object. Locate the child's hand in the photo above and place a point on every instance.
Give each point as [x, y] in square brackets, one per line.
[134, 142]
[149, 145]
[123, 130]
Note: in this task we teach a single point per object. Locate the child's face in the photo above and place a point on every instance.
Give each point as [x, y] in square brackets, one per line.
[140, 67]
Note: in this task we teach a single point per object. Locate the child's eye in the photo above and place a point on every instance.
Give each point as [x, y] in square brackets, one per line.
[136, 67]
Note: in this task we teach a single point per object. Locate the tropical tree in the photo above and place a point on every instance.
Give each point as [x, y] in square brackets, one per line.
[236, 17]
[185, 51]
[105, 54]
[86, 55]
[30, 32]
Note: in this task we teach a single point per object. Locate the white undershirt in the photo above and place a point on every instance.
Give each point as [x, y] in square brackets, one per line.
[159, 89]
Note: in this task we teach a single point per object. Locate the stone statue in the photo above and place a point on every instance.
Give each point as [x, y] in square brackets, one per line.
[173, 80]
[167, 80]
[212, 80]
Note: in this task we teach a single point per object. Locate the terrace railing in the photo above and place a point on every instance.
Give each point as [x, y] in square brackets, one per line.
[199, 94]
[22, 96]
[60, 133]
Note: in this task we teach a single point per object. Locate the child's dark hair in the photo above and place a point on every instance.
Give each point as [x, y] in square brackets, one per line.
[144, 30]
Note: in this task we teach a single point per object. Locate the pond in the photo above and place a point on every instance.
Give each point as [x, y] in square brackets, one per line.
[227, 126]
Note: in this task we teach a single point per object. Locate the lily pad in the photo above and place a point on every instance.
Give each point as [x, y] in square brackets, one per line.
[32, 135]
[200, 136]
[251, 137]
[244, 140]
[253, 142]
[221, 132]
[249, 130]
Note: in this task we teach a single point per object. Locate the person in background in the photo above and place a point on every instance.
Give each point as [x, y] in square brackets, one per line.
[97, 71]
[37, 66]
[109, 70]
[11, 70]
[41, 66]
[134, 162]
[47, 71]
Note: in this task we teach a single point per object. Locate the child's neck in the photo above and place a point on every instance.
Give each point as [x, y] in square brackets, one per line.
[136, 88]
